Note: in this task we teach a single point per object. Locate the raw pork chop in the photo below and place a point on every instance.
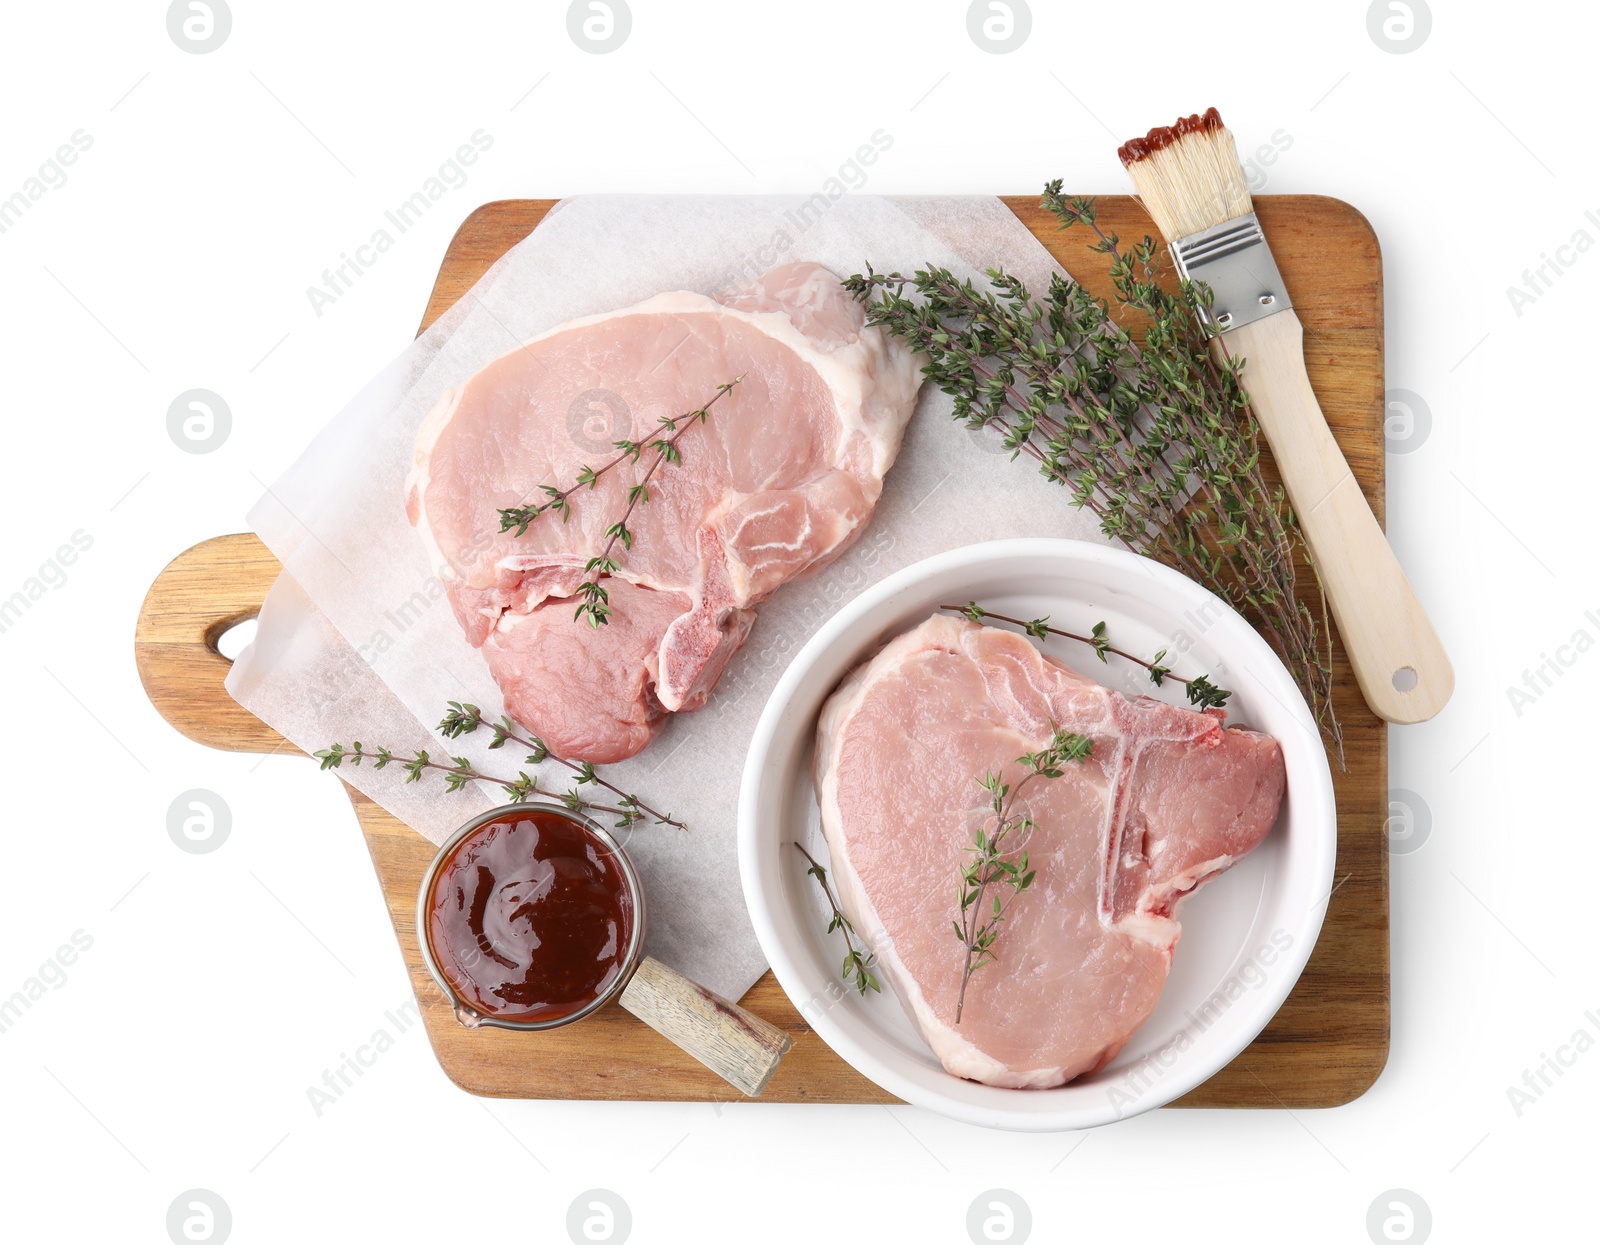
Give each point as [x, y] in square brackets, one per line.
[1168, 799]
[775, 485]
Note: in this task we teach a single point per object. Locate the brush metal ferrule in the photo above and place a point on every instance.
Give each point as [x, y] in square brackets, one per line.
[1234, 260]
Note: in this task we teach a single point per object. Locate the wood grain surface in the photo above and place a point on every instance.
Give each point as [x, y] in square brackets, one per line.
[1327, 1043]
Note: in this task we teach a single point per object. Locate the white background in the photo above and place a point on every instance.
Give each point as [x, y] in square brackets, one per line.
[178, 1052]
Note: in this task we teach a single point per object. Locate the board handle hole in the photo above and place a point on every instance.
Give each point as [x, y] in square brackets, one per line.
[231, 642]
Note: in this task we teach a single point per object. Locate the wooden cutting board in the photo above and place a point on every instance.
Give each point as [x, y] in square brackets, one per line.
[1325, 1046]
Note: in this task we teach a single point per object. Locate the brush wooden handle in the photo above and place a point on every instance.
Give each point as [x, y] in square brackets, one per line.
[1399, 663]
[737, 1045]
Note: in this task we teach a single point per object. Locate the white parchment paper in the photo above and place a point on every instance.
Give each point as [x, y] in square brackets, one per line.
[357, 641]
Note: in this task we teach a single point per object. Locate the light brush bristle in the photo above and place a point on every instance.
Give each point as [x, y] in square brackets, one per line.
[1188, 175]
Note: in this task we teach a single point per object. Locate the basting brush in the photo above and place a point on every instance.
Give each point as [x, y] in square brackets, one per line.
[1190, 180]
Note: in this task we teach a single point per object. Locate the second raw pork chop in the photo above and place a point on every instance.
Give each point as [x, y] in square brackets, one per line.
[775, 485]
[1168, 799]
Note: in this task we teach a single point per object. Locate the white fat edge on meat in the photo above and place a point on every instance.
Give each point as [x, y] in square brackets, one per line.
[1160, 931]
[738, 570]
[956, 1053]
[746, 519]
[953, 1051]
[846, 370]
[576, 562]
[847, 379]
[947, 1045]
[894, 382]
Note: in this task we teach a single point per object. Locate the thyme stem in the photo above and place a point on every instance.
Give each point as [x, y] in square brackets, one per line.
[1200, 690]
[464, 719]
[1154, 437]
[459, 773]
[596, 601]
[856, 965]
[1000, 862]
[523, 517]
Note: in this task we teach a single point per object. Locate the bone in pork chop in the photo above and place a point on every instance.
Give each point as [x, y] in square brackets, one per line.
[774, 485]
[1168, 799]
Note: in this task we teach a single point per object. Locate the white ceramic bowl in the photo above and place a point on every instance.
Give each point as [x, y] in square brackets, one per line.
[1246, 935]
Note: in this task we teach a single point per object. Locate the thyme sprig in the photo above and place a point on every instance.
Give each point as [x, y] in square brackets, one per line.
[1155, 438]
[595, 604]
[1000, 856]
[857, 964]
[1201, 691]
[463, 720]
[458, 774]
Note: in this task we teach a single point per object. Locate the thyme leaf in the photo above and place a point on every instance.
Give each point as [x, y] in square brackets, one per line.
[857, 962]
[1202, 693]
[999, 870]
[595, 601]
[464, 719]
[1150, 433]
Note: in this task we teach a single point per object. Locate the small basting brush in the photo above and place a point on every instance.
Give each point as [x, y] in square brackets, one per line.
[1190, 180]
